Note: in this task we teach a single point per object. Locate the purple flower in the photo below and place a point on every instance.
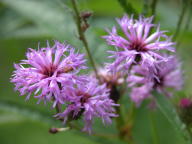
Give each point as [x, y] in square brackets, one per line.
[137, 44]
[47, 70]
[167, 75]
[185, 103]
[89, 100]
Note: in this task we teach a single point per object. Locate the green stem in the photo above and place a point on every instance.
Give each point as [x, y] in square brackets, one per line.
[82, 36]
[119, 120]
[181, 17]
[124, 125]
[145, 7]
[189, 17]
[153, 7]
[128, 7]
[58, 108]
[153, 128]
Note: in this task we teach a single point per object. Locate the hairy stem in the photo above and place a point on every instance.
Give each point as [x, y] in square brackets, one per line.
[82, 36]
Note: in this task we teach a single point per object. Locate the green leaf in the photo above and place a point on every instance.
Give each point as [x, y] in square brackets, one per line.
[29, 113]
[29, 132]
[13, 112]
[50, 16]
[26, 32]
[171, 114]
[52, 20]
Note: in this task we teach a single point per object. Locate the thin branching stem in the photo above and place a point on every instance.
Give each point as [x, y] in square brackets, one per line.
[82, 36]
[181, 17]
[153, 8]
[145, 10]
[127, 7]
[189, 17]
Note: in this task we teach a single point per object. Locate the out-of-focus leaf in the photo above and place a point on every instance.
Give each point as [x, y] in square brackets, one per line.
[10, 21]
[36, 133]
[48, 15]
[55, 21]
[27, 32]
[171, 114]
[28, 113]
[8, 117]
[16, 113]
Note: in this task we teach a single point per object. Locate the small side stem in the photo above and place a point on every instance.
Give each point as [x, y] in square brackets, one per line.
[58, 108]
[82, 36]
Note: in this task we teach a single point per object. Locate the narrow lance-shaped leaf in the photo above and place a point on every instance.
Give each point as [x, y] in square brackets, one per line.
[171, 114]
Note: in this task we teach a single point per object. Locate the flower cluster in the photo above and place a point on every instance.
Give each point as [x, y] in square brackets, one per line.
[139, 53]
[52, 74]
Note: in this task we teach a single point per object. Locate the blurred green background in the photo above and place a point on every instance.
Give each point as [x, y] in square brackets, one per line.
[25, 23]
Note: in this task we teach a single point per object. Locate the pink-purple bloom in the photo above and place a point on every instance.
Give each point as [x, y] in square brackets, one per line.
[137, 43]
[185, 103]
[47, 70]
[167, 75]
[89, 100]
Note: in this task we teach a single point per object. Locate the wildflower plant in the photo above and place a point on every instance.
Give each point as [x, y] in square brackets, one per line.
[144, 70]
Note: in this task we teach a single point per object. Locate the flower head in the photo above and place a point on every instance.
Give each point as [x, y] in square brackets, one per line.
[112, 81]
[185, 110]
[47, 70]
[89, 100]
[167, 75]
[110, 78]
[137, 44]
[185, 103]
